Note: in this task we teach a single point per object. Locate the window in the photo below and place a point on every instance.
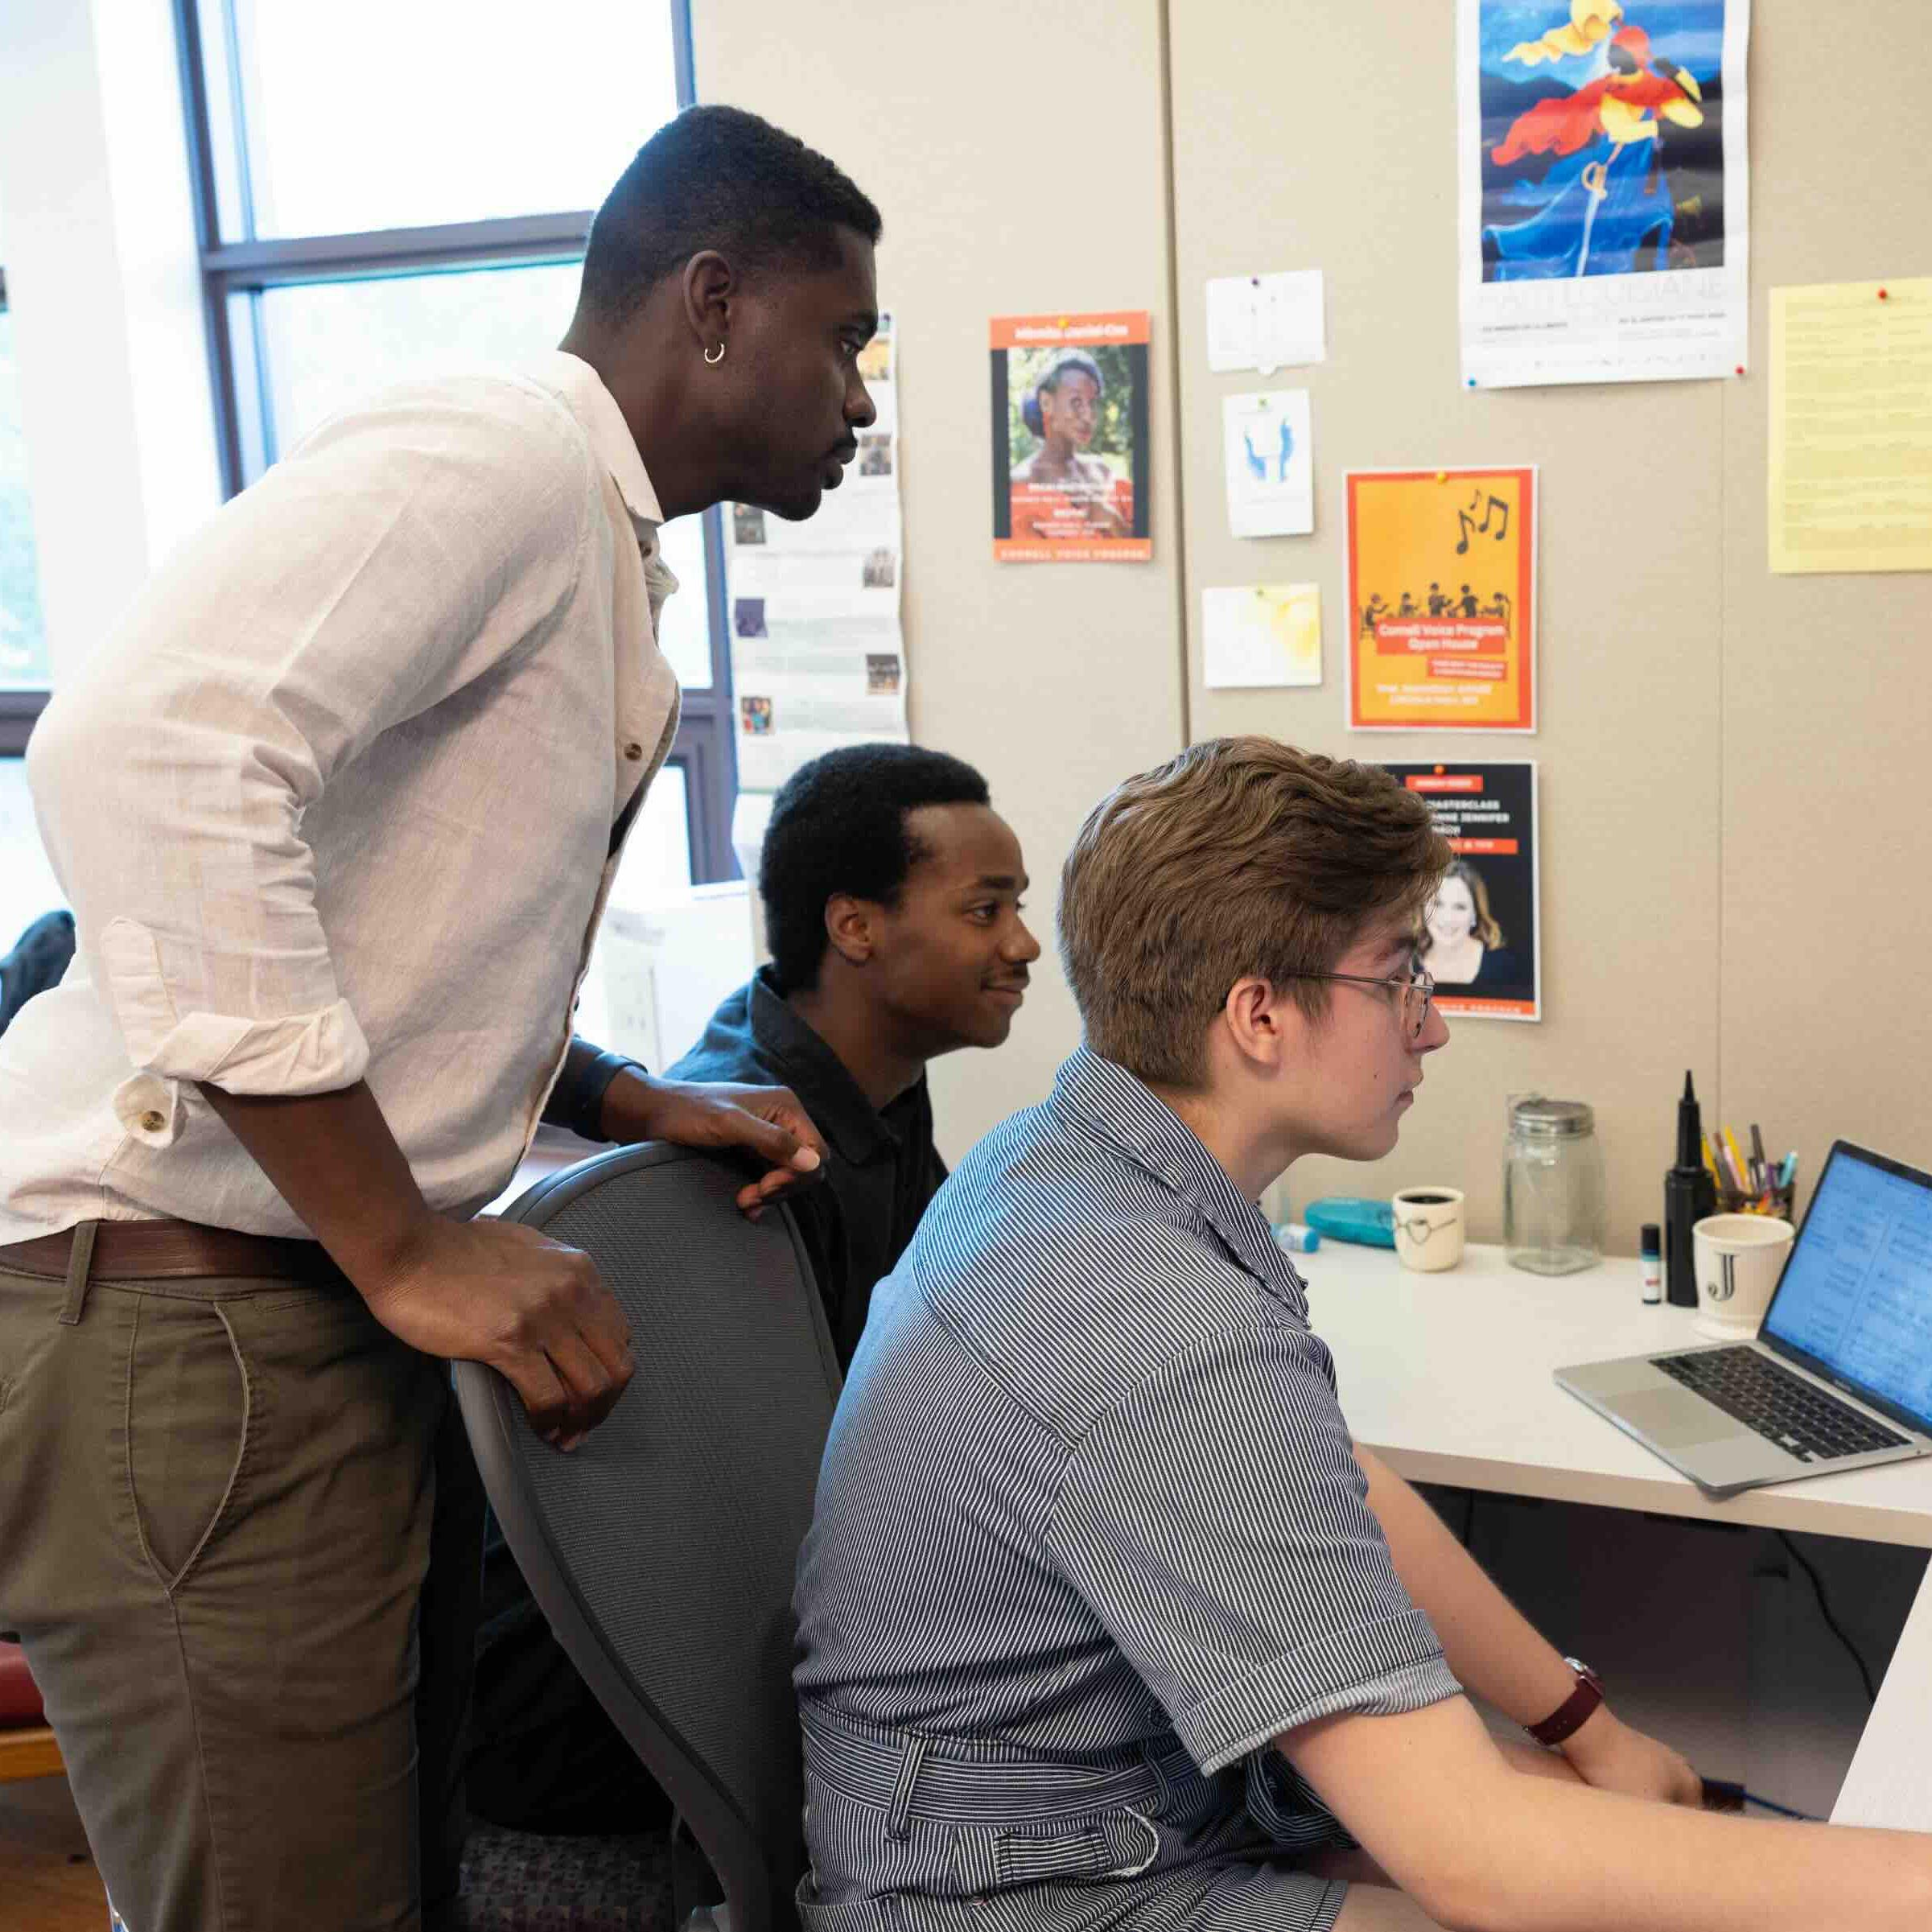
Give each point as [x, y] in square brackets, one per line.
[24, 673]
[388, 186]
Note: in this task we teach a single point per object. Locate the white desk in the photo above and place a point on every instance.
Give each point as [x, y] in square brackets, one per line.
[1448, 1378]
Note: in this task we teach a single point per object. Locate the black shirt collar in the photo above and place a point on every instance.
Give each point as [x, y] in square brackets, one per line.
[856, 1129]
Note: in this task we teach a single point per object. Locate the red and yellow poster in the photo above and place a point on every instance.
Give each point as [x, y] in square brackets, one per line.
[1442, 592]
[1070, 438]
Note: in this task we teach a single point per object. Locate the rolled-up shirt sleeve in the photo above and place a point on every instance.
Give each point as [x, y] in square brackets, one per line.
[393, 560]
[1217, 1521]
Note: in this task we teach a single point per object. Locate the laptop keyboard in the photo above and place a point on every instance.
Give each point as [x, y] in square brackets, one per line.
[1781, 1407]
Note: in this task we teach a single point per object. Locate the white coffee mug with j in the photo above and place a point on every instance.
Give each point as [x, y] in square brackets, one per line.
[1738, 1258]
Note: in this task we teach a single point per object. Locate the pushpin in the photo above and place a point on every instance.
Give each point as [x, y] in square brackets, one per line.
[1063, 321]
[1253, 282]
[1442, 475]
[1472, 382]
[1884, 295]
[1740, 368]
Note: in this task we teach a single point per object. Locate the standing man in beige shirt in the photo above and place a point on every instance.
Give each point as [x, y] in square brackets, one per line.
[337, 810]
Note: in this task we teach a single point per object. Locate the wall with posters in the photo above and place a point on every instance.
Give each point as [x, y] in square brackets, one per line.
[1727, 760]
[1055, 681]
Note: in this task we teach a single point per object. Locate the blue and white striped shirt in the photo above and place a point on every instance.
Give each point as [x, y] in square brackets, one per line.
[1089, 1502]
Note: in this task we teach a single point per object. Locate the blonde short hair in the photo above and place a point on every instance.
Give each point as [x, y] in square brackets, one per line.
[1241, 858]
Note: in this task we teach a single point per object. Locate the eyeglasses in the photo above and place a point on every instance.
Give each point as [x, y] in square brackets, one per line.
[1417, 990]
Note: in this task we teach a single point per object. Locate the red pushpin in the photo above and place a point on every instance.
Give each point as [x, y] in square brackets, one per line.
[1740, 368]
[1885, 294]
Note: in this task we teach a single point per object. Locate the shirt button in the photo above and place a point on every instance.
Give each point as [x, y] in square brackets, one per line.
[152, 1122]
[633, 750]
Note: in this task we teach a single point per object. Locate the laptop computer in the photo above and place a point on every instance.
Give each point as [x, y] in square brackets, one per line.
[1840, 1374]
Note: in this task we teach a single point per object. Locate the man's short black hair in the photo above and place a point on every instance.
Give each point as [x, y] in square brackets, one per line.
[839, 826]
[717, 178]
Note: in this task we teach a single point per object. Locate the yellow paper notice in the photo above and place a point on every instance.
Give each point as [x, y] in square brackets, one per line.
[1267, 634]
[1850, 458]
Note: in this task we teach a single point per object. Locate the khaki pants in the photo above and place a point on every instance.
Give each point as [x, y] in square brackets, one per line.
[240, 1539]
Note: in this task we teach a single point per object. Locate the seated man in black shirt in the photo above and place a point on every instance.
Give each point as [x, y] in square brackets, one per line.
[892, 896]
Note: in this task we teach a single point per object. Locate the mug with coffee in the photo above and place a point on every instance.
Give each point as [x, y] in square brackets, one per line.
[1428, 1228]
[1738, 1258]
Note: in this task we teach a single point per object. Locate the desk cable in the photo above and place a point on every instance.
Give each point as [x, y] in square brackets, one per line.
[1824, 1610]
[1720, 1793]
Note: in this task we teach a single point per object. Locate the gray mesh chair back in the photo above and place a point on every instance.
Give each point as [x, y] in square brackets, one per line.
[662, 1549]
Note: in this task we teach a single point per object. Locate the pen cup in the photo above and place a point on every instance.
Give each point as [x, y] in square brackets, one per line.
[1428, 1228]
[1775, 1205]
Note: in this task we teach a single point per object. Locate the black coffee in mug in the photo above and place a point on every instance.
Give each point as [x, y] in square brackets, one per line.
[1427, 1201]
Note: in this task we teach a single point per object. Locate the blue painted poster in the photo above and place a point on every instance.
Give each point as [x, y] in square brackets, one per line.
[1604, 190]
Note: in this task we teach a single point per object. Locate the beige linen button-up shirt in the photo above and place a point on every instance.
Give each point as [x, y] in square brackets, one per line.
[336, 801]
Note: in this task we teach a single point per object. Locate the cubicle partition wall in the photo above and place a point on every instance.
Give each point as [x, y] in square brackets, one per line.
[1728, 759]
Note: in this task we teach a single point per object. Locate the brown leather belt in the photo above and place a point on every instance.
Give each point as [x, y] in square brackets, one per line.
[172, 1250]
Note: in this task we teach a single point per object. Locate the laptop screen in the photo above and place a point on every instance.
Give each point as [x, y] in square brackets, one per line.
[1855, 1296]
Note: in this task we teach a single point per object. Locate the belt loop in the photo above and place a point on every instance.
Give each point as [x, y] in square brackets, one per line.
[898, 1825]
[80, 1259]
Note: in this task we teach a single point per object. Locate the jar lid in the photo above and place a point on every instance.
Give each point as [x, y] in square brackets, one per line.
[1552, 1120]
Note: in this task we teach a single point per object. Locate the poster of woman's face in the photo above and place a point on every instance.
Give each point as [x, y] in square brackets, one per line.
[1070, 431]
[1451, 919]
[1478, 934]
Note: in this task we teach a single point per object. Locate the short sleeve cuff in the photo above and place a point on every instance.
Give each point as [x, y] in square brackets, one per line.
[1377, 1670]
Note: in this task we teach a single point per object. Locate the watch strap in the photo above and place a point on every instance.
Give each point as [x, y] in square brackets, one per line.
[1569, 1716]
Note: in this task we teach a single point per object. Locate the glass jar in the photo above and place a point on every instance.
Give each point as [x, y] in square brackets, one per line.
[1552, 1186]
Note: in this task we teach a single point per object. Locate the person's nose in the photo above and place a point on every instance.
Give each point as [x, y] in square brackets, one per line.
[859, 408]
[1435, 1032]
[1021, 947]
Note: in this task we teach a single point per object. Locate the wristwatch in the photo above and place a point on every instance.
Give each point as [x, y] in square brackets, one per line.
[1568, 1716]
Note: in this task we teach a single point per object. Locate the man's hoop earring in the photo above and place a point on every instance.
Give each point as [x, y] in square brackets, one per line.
[714, 361]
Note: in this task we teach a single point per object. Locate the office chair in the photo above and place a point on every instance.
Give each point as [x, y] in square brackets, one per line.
[662, 1549]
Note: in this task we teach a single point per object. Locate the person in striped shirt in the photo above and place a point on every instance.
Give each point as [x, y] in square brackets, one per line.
[1104, 1620]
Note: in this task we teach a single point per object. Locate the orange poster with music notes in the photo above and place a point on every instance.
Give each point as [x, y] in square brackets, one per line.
[1442, 597]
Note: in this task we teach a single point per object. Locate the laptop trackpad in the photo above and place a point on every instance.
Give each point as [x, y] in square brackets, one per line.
[1674, 1419]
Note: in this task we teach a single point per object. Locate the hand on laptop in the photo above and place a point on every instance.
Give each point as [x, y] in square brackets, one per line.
[1605, 1752]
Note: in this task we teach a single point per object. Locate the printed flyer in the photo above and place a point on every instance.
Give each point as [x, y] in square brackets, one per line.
[818, 652]
[1442, 598]
[1481, 935]
[1070, 438]
[1604, 212]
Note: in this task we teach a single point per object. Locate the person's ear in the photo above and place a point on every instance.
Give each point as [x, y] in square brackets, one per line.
[709, 286]
[1262, 1023]
[851, 928]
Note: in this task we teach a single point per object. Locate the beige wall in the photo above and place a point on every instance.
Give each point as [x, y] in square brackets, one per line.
[1055, 682]
[1733, 861]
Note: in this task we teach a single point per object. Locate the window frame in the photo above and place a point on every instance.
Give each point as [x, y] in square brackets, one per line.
[244, 422]
[20, 705]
